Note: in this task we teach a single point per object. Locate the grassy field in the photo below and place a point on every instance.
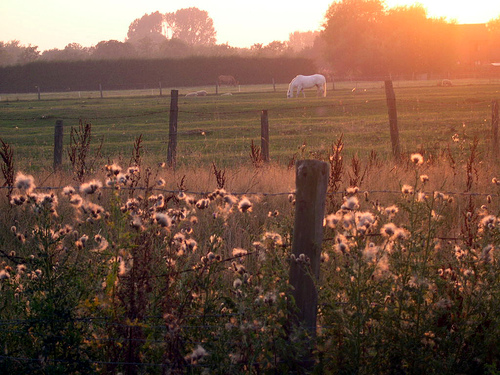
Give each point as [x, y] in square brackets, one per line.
[220, 129]
[142, 270]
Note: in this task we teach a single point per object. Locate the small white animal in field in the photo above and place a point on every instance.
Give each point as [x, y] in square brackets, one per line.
[197, 93]
[301, 82]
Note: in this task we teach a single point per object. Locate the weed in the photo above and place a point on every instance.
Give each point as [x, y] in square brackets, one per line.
[256, 155]
[79, 151]
[7, 167]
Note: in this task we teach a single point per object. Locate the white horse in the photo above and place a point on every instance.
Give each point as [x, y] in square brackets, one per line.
[301, 82]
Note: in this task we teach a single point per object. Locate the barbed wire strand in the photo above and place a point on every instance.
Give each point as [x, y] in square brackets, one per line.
[265, 194]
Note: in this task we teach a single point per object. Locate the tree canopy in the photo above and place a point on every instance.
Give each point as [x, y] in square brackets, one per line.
[362, 37]
[191, 25]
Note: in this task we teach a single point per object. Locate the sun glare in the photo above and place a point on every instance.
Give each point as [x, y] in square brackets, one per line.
[241, 24]
[480, 11]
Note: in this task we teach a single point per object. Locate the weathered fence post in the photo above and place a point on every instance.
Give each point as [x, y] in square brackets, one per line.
[172, 129]
[58, 145]
[161, 92]
[264, 135]
[311, 181]
[393, 118]
[494, 125]
[217, 88]
[274, 85]
[38, 90]
[100, 89]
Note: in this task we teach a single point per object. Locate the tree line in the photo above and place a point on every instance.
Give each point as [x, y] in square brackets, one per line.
[364, 37]
[357, 38]
[139, 73]
[186, 32]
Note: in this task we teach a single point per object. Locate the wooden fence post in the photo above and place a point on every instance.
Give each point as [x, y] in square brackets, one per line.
[100, 89]
[38, 90]
[172, 129]
[274, 85]
[311, 181]
[494, 125]
[58, 145]
[161, 92]
[393, 118]
[264, 135]
[217, 88]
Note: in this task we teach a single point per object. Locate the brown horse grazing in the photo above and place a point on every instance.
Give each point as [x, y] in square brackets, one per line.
[227, 80]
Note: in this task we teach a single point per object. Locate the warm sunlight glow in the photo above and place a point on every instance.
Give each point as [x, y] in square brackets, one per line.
[478, 11]
[56, 23]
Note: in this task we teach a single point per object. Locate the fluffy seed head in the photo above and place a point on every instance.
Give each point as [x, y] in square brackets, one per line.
[417, 159]
[25, 183]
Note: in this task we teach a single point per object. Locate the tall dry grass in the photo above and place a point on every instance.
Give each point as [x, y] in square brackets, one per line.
[143, 269]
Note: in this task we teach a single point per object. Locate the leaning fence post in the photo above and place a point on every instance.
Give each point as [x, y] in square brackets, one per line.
[494, 125]
[172, 129]
[264, 135]
[311, 181]
[58, 145]
[393, 118]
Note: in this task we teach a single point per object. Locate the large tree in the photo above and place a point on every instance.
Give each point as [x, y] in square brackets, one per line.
[192, 26]
[404, 33]
[361, 37]
[147, 25]
[12, 53]
[415, 43]
[299, 41]
[494, 33]
[147, 33]
[352, 36]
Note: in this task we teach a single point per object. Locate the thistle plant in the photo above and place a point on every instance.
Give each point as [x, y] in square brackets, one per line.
[119, 274]
[397, 290]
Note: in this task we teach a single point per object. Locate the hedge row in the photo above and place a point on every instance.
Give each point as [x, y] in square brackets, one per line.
[135, 74]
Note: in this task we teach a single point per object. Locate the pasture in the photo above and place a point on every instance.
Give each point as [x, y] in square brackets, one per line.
[150, 270]
[220, 129]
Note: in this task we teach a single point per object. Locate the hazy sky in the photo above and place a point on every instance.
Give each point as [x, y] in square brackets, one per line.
[55, 23]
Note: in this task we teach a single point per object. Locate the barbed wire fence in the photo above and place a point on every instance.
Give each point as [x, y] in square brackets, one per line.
[157, 330]
[17, 327]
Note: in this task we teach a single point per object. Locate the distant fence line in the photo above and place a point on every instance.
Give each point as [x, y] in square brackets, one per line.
[309, 106]
[265, 142]
[339, 83]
